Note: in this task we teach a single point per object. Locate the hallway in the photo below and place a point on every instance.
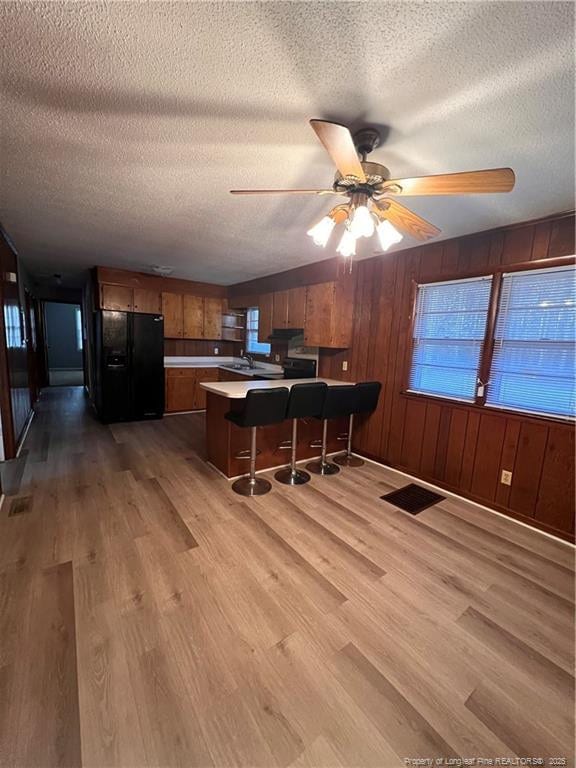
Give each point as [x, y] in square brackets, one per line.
[149, 617]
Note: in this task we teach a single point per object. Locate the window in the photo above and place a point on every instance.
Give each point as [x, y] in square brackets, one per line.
[449, 329]
[529, 362]
[252, 343]
[533, 359]
[79, 339]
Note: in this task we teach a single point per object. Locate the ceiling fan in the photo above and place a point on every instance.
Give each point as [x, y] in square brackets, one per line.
[372, 204]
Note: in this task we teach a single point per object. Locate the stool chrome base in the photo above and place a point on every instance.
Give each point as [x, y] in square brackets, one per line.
[289, 476]
[251, 486]
[322, 468]
[346, 460]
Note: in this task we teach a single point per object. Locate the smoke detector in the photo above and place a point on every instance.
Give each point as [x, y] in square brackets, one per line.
[162, 271]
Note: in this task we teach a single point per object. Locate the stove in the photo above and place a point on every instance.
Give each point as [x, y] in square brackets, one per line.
[294, 368]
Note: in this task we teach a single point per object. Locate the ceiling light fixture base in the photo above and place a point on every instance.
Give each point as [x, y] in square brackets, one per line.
[366, 141]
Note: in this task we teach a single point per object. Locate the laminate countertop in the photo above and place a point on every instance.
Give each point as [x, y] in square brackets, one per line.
[238, 389]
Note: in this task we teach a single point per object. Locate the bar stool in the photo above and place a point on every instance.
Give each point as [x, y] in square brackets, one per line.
[261, 407]
[339, 401]
[305, 400]
[367, 394]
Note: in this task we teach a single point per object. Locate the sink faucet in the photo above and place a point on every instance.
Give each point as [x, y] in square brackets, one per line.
[250, 360]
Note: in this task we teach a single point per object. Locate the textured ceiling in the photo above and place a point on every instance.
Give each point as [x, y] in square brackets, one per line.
[124, 125]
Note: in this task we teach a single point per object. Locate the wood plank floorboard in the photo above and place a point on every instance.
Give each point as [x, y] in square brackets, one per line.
[151, 617]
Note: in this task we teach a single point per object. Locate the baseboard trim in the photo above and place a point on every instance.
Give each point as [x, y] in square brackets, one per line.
[445, 490]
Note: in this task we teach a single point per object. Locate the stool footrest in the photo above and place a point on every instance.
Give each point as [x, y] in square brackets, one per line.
[243, 455]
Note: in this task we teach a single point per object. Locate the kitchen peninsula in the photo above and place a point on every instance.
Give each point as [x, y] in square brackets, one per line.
[224, 440]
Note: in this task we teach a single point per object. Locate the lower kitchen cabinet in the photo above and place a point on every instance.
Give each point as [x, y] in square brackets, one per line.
[183, 390]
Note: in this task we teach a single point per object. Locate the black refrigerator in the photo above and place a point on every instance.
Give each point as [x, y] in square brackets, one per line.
[129, 366]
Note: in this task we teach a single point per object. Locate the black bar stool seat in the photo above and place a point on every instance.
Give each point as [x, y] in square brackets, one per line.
[306, 400]
[367, 394]
[261, 407]
[339, 401]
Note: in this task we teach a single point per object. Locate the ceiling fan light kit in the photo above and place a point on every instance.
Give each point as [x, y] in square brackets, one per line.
[371, 206]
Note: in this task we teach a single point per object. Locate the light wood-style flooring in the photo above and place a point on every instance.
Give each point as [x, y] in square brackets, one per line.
[151, 617]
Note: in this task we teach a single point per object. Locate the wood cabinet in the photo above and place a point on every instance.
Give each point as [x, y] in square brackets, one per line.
[289, 308]
[212, 318]
[180, 384]
[280, 309]
[265, 307]
[116, 297]
[183, 390]
[173, 311]
[149, 302]
[329, 314]
[193, 317]
[296, 307]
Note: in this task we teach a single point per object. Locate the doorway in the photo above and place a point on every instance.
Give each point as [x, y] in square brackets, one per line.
[64, 344]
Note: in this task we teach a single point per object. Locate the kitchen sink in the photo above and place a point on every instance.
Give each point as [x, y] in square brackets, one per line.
[245, 367]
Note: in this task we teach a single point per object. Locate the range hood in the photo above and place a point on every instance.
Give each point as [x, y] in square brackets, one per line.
[285, 334]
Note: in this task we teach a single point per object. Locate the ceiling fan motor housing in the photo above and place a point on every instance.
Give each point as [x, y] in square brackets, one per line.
[375, 175]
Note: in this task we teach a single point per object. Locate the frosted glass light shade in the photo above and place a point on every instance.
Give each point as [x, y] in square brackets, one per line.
[362, 224]
[347, 245]
[388, 235]
[320, 233]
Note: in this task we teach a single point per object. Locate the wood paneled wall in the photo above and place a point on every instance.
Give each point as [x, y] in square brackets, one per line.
[15, 401]
[463, 448]
[199, 347]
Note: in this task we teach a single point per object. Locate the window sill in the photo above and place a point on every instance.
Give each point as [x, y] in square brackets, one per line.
[509, 412]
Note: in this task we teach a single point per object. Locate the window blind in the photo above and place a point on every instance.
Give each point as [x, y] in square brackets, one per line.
[534, 343]
[252, 343]
[449, 329]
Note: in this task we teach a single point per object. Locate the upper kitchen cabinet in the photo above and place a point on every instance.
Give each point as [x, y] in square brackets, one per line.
[265, 309]
[116, 297]
[173, 311]
[212, 318]
[296, 307]
[329, 314]
[148, 302]
[280, 309]
[193, 317]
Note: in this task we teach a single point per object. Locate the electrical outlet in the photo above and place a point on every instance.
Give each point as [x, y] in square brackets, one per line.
[345, 365]
[506, 477]
[277, 358]
[216, 351]
[241, 353]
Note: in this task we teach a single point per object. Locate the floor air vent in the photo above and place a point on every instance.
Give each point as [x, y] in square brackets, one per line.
[413, 498]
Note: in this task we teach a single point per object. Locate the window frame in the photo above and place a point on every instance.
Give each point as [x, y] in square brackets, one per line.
[497, 274]
[247, 335]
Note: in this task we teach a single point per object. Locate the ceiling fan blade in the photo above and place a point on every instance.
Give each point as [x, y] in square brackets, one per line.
[284, 192]
[467, 183]
[407, 220]
[339, 144]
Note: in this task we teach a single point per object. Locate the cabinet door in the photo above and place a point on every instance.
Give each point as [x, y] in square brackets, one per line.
[116, 297]
[265, 305]
[280, 310]
[173, 311]
[343, 312]
[193, 317]
[147, 301]
[180, 389]
[212, 318]
[296, 307]
[319, 307]
[203, 374]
